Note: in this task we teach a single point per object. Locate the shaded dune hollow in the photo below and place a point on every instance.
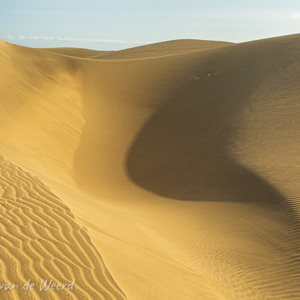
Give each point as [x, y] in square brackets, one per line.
[166, 171]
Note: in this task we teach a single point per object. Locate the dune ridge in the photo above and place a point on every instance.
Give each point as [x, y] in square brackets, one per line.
[146, 51]
[180, 158]
[77, 52]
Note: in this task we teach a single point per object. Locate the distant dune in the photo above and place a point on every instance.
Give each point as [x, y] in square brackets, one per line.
[78, 52]
[166, 171]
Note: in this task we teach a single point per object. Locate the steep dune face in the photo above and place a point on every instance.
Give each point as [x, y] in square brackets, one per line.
[180, 158]
[120, 96]
[40, 110]
[177, 121]
[174, 126]
[191, 142]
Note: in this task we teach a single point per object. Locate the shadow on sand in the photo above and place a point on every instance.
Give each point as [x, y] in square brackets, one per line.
[182, 152]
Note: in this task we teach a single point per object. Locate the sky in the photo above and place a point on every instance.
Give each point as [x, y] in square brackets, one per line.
[120, 24]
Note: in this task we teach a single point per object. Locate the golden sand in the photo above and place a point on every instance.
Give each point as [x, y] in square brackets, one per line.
[167, 171]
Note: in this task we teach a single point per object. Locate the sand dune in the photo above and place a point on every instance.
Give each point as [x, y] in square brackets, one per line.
[161, 49]
[179, 158]
[78, 52]
[152, 50]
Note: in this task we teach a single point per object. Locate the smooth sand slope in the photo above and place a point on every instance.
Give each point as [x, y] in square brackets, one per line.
[181, 160]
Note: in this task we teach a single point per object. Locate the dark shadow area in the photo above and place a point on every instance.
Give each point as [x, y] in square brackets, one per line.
[182, 152]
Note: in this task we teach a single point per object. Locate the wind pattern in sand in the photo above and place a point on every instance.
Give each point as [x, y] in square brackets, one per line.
[40, 240]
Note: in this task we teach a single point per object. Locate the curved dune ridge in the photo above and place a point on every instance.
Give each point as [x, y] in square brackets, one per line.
[152, 50]
[40, 240]
[77, 52]
[180, 158]
[161, 49]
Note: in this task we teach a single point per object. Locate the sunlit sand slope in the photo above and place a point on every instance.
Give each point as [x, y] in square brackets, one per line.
[41, 110]
[40, 240]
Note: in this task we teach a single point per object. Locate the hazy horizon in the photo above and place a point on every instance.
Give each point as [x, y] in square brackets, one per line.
[118, 25]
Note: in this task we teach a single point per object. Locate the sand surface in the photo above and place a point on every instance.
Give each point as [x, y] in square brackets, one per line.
[167, 171]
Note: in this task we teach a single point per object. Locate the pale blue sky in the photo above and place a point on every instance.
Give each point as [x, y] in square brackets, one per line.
[116, 24]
